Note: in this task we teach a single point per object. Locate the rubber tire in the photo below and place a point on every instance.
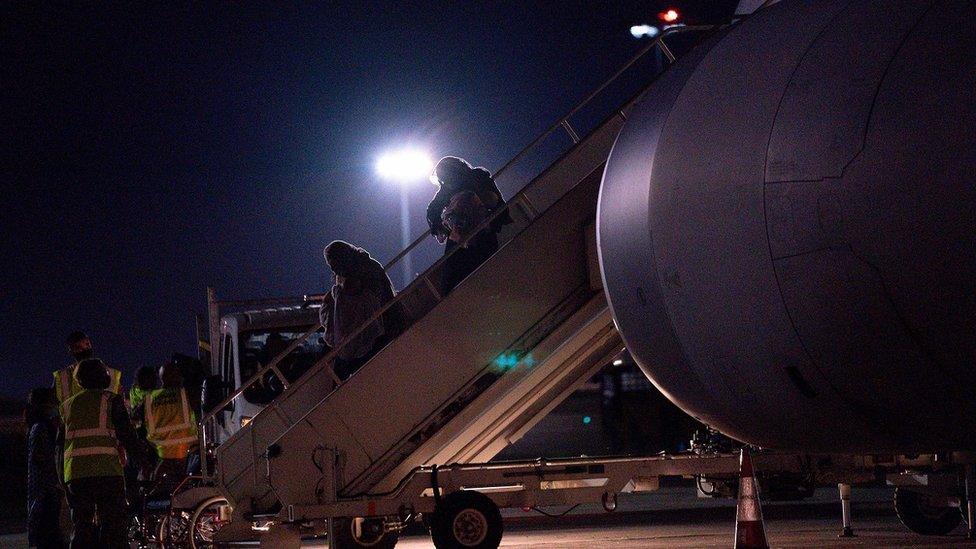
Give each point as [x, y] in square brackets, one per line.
[453, 505]
[163, 532]
[345, 540]
[191, 530]
[924, 519]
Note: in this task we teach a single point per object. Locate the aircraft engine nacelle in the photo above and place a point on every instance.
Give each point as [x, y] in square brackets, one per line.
[787, 227]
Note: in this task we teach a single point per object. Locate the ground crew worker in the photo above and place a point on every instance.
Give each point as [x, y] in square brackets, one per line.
[171, 425]
[65, 383]
[94, 422]
[146, 382]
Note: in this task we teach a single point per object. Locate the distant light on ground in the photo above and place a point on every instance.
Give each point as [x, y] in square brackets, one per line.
[587, 420]
[639, 31]
[404, 165]
[618, 362]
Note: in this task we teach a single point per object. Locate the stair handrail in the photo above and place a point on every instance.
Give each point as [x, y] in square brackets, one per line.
[564, 121]
[520, 197]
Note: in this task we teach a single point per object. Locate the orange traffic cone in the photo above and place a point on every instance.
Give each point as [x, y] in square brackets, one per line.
[749, 530]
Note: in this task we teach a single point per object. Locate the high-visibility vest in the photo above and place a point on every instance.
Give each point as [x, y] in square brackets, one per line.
[137, 396]
[90, 446]
[137, 400]
[67, 386]
[170, 422]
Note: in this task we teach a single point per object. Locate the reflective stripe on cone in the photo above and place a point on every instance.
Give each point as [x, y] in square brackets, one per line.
[750, 533]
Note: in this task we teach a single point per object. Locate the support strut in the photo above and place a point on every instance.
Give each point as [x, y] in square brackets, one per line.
[970, 501]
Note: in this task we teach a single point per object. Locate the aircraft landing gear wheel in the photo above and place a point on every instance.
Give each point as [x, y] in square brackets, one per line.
[358, 533]
[205, 521]
[467, 520]
[925, 514]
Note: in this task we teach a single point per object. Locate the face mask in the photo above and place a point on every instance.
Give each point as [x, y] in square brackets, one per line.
[83, 355]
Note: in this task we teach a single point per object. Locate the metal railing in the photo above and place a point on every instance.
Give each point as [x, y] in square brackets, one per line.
[521, 199]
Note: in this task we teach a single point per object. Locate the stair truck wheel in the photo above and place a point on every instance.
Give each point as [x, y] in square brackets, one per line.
[466, 520]
[171, 530]
[925, 514]
[205, 521]
[358, 533]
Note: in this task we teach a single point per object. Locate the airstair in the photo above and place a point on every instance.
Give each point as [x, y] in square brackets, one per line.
[475, 370]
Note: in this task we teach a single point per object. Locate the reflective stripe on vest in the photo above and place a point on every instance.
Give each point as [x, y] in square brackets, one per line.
[98, 432]
[66, 386]
[170, 426]
[91, 448]
[177, 441]
[62, 382]
[115, 385]
[94, 451]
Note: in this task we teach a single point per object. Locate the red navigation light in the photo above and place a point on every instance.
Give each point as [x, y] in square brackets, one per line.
[669, 16]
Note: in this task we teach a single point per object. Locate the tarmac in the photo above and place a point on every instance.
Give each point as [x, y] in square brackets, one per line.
[673, 517]
[876, 532]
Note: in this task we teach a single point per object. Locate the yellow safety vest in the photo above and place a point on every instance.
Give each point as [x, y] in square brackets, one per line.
[137, 396]
[91, 448]
[170, 423]
[137, 400]
[67, 386]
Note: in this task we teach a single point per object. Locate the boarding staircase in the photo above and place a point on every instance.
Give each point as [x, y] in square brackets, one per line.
[475, 370]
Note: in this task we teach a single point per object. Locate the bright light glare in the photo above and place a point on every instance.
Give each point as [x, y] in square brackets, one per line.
[669, 16]
[649, 31]
[618, 362]
[404, 165]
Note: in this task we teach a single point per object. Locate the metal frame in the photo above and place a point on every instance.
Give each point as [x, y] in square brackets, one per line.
[520, 484]
[215, 311]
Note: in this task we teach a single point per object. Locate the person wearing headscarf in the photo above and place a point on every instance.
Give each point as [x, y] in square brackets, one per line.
[361, 288]
[465, 197]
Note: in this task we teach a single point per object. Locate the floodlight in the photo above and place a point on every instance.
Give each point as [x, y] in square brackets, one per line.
[404, 165]
[639, 31]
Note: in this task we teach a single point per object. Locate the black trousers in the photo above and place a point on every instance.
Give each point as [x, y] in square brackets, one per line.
[44, 523]
[103, 497]
[173, 469]
[464, 262]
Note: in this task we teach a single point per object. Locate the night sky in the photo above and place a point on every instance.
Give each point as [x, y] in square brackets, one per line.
[149, 153]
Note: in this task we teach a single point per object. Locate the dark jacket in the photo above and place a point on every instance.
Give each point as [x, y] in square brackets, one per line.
[374, 279]
[42, 462]
[478, 181]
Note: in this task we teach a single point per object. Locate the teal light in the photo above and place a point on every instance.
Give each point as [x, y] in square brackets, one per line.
[509, 360]
[506, 361]
[587, 420]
